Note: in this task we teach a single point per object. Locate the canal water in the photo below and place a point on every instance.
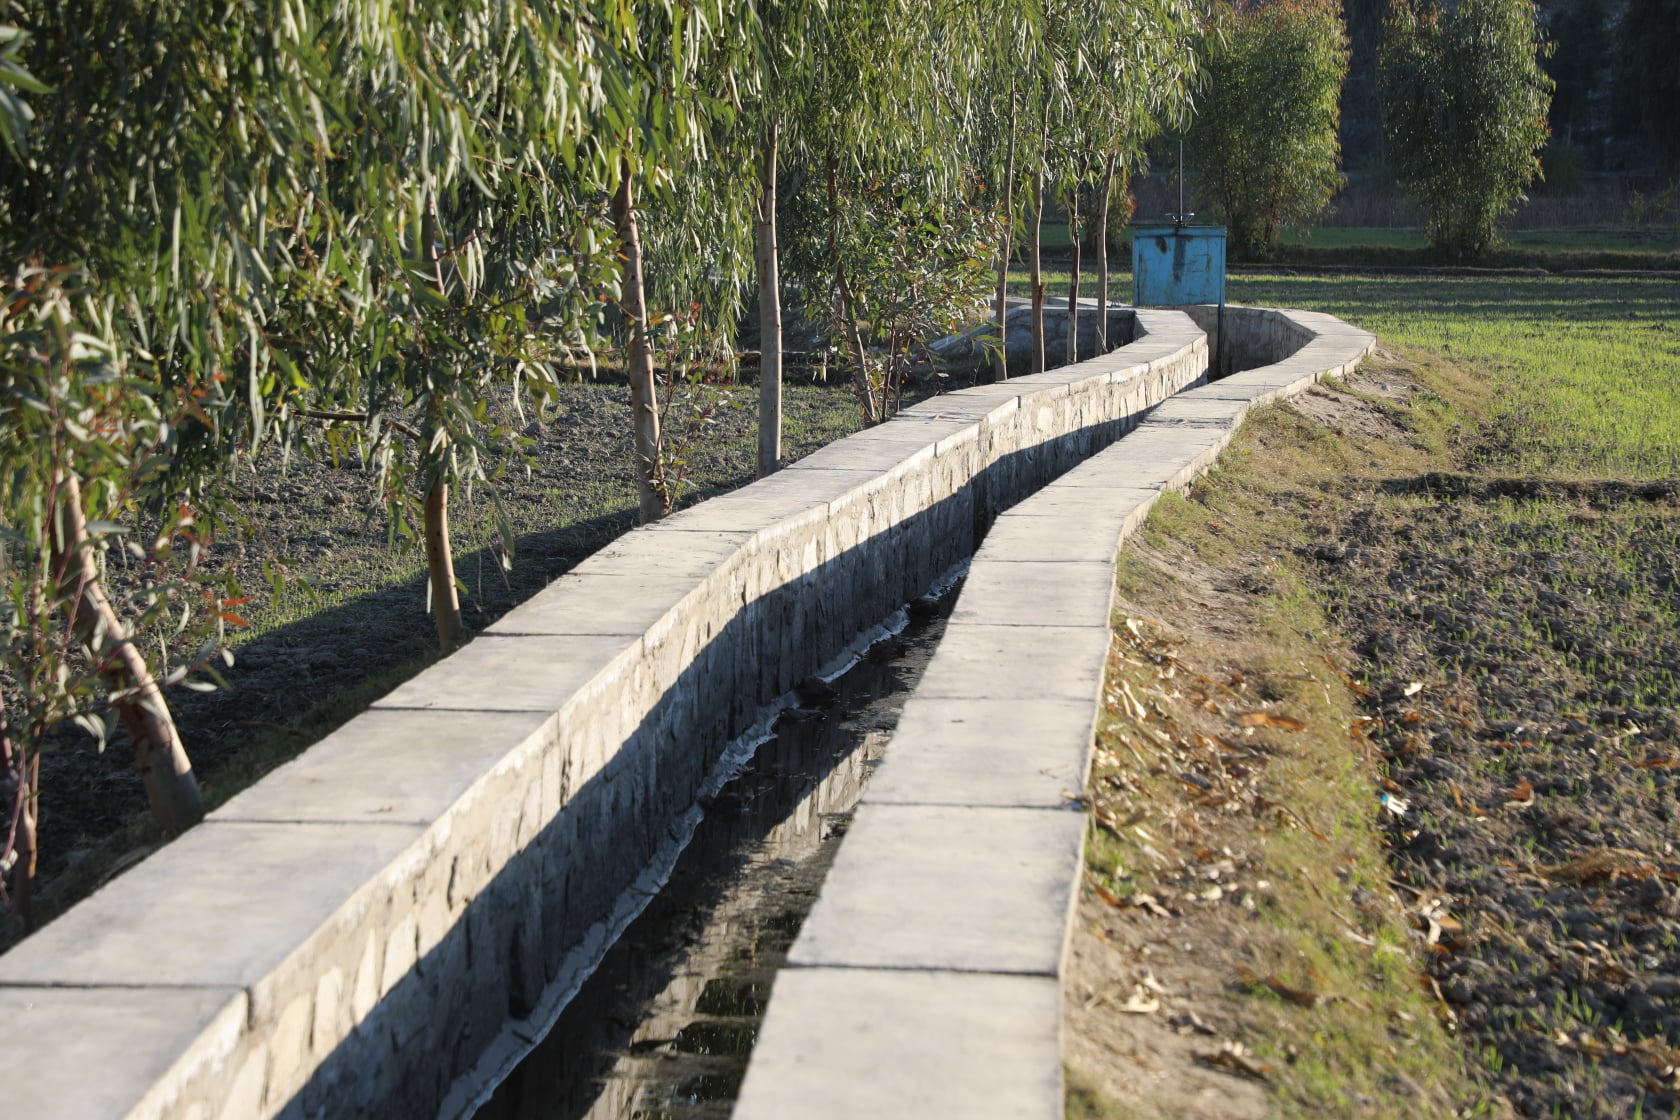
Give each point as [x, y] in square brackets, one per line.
[666, 1025]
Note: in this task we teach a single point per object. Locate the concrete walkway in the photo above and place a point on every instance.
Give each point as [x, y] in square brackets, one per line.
[926, 981]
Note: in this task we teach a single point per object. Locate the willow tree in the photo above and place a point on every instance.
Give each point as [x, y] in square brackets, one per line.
[785, 62]
[1102, 77]
[1142, 74]
[1464, 112]
[688, 64]
[81, 438]
[1265, 136]
[157, 139]
[458, 170]
[86, 436]
[999, 129]
[874, 89]
[301, 214]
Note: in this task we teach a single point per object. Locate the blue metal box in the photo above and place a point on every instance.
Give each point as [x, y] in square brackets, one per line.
[1174, 264]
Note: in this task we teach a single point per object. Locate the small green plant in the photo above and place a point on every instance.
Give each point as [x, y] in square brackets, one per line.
[97, 613]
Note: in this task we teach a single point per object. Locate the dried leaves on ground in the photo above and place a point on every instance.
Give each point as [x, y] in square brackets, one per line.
[1537, 764]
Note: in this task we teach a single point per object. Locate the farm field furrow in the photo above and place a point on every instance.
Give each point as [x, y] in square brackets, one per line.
[1448, 589]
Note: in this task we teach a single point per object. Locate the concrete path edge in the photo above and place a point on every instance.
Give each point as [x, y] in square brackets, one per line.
[379, 926]
[927, 980]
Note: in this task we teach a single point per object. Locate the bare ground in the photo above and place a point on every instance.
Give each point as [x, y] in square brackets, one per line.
[1498, 658]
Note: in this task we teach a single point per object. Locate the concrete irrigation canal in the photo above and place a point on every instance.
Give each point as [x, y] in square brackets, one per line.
[667, 1023]
[387, 925]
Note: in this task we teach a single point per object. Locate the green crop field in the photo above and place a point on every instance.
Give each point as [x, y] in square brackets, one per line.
[1588, 367]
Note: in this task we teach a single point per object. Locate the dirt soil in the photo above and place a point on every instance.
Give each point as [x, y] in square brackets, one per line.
[1150, 1007]
[1522, 659]
[1232, 923]
[1505, 654]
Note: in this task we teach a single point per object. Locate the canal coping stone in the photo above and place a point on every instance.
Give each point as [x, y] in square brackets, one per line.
[833, 1041]
[794, 1071]
[375, 891]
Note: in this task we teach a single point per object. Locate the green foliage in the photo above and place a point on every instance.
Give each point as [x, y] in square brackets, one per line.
[15, 113]
[920, 265]
[1464, 109]
[1118, 72]
[1647, 75]
[343, 209]
[1264, 137]
[73, 403]
[343, 224]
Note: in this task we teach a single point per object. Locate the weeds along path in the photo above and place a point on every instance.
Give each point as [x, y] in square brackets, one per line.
[1385, 799]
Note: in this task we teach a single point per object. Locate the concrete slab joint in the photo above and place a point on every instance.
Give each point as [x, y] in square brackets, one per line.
[359, 933]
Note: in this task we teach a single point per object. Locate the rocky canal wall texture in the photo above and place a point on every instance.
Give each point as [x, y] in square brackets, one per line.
[369, 930]
[926, 981]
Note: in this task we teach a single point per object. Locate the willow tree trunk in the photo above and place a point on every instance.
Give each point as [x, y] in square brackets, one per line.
[1000, 359]
[644, 406]
[445, 601]
[440, 564]
[165, 770]
[1102, 255]
[25, 774]
[1073, 277]
[848, 307]
[1035, 269]
[769, 315]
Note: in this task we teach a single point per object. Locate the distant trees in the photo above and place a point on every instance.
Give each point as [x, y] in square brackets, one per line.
[1464, 111]
[1647, 75]
[1265, 133]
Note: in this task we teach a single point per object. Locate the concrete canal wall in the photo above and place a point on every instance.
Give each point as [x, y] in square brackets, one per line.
[370, 929]
[927, 980]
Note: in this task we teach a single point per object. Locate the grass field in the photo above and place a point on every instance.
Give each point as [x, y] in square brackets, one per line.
[1588, 367]
[1656, 247]
[1448, 524]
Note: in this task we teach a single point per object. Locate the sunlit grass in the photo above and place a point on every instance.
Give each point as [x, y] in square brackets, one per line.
[1587, 368]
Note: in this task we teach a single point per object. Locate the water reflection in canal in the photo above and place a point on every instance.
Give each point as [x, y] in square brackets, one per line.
[665, 1026]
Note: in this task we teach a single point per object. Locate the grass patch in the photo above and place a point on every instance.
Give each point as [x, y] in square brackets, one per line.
[1229, 767]
[1585, 370]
